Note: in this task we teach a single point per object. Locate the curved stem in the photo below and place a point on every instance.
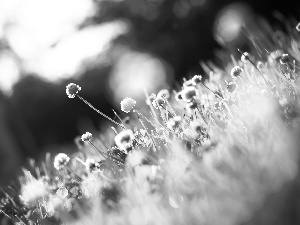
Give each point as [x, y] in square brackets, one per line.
[101, 113]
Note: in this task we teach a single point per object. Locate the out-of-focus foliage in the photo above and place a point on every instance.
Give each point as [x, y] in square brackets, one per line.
[173, 30]
[179, 31]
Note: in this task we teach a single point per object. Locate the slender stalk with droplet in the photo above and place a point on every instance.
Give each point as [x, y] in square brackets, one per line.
[78, 178]
[219, 96]
[253, 65]
[137, 113]
[101, 152]
[104, 154]
[150, 105]
[101, 113]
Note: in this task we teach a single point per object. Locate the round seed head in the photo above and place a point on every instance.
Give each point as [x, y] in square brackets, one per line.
[72, 90]
[275, 57]
[197, 79]
[150, 99]
[231, 86]
[188, 83]
[178, 96]
[260, 65]
[160, 101]
[86, 137]
[236, 71]
[92, 166]
[188, 94]
[164, 93]
[197, 126]
[60, 161]
[127, 104]
[284, 58]
[191, 106]
[174, 122]
[245, 57]
[124, 140]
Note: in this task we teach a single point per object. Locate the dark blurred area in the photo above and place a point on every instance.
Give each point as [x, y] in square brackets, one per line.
[38, 116]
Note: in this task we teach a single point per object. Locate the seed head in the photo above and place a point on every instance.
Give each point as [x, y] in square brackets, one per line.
[92, 166]
[124, 140]
[259, 65]
[86, 137]
[150, 99]
[197, 79]
[72, 90]
[236, 71]
[60, 161]
[164, 93]
[188, 83]
[127, 104]
[189, 94]
[275, 56]
[245, 57]
[190, 106]
[178, 96]
[173, 123]
[284, 58]
[231, 86]
[298, 27]
[158, 102]
[197, 127]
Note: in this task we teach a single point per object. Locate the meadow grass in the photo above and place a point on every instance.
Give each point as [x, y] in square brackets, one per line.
[209, 153]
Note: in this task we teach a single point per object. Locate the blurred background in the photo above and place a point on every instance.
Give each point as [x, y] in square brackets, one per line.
[113, 49]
